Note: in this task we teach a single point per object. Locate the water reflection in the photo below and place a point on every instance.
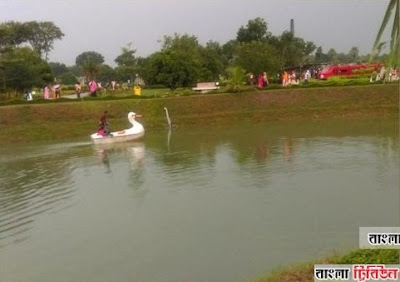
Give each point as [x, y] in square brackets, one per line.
[260, 190]
[289, 149]
[103, 156]
[133, 151]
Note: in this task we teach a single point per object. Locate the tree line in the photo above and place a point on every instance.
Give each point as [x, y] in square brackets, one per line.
[181, 61]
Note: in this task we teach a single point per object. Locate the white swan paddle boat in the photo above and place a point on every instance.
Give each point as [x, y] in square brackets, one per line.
[133, 133]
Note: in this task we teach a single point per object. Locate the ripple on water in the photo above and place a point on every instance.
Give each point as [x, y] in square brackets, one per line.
[31, 186]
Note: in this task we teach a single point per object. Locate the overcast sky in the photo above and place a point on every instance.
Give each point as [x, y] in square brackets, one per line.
[106, 26]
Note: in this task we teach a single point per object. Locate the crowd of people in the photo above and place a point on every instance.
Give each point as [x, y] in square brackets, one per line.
[286, 77]
[53, 90]
[261, 81]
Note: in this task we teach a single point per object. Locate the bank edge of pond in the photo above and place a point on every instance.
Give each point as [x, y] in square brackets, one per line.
[70, 120]
[304, 272]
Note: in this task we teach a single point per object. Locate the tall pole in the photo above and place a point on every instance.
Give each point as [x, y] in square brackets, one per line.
[292, 26]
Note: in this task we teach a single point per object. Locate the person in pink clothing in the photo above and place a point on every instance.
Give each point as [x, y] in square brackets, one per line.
[260, 80]
[93, 88]
[46, 92]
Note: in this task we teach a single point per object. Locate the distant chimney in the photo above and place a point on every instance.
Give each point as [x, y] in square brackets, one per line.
[292, 26]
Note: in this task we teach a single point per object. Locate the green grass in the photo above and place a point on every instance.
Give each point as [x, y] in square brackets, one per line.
[160, 92]
[304, 272]
[47, 118]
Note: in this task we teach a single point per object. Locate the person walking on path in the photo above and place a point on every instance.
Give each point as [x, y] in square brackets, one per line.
[93, 88]
[78, 90]
[46, 92]
[57, 91]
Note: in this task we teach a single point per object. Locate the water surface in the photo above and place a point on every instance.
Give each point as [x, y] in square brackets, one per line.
[206, 204]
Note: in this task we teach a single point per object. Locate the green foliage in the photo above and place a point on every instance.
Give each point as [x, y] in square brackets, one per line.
[257, 57]
[182, 61]
[106, 73]
[339, 81]
[212, 62]
[23, 68]
[127, 57]
[68, 78]
[90, 69]
[127, 63]
[58, 69]
[12, 34]
[41, 36]
[353, 54]
[178, 64]
[89, 57]
[256, 30]
[236, 79]
[229, 50]
[332, 57]
[293, 50]
[89, 63]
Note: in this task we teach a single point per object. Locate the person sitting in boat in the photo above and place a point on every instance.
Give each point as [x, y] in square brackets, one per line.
[103, 125]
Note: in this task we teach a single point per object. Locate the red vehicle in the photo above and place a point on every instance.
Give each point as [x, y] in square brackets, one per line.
[343, 70]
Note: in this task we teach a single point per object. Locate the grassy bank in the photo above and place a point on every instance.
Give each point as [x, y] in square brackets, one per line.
[305, 272]
[55, 120]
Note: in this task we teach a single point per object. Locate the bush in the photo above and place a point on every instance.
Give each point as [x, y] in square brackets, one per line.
[186, 92]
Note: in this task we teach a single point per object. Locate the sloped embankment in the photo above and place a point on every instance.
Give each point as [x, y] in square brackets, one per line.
[79, 118]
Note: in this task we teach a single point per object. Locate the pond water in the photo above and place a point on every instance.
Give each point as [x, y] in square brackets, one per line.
[205, 204]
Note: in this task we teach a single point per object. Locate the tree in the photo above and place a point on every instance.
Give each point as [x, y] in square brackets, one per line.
[68, 78]
[58, 69]
[172, 69]
[106, 73]
[212, 61]
[127, 58]
[179, 62]
[24, 68]
[92, 56]
[228, 51]
[127, 63]
[13, 34]
[332, 56]
[294, 51]
[42, 36]
[353, 55]
[90, 69]
[394, 42]
[256, 30]
[89, 63]
[257, 57]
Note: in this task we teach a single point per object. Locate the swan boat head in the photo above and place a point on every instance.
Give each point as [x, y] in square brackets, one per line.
[132, 117]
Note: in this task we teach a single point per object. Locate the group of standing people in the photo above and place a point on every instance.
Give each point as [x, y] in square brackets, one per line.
[289, 78]
[93, 86]
[286, 77]
[262, 80]
[52, 91]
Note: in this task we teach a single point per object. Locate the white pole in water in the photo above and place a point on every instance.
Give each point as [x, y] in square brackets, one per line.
[169, 121]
